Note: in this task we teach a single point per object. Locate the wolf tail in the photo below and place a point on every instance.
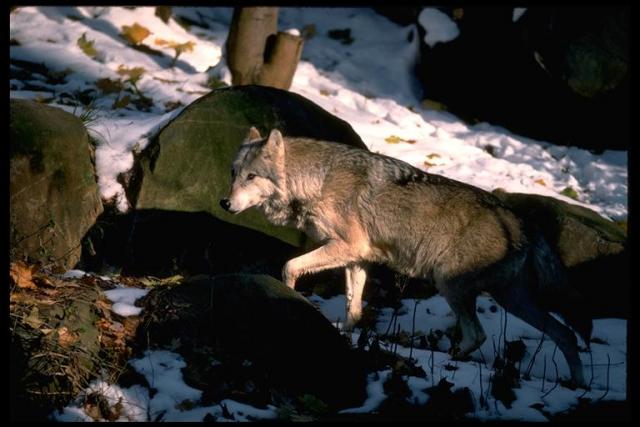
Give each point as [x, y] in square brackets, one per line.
[554, 292]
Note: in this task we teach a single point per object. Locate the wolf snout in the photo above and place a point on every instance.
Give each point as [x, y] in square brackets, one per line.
[225, 204]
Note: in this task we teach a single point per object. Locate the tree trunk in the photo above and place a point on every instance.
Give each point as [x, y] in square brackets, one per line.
[282, 61]
[256, 53]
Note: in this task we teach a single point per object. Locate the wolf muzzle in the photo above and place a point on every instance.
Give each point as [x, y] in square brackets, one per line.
[225, 204]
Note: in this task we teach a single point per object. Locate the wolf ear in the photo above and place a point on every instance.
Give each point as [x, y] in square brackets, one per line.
[275, 138]
[253, 134]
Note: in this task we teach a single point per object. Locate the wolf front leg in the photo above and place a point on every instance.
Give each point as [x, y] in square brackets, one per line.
[355, 279]
[332, 255]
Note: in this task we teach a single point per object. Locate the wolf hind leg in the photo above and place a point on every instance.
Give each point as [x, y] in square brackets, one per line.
[463, 304]
[518, 301]
[355, 280]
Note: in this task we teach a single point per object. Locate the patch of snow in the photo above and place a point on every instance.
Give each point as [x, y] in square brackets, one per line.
[73, 274]
[124, 299]
[375, 393]
[439, 26]
[518, 12]
[293, 32]
[171, 398]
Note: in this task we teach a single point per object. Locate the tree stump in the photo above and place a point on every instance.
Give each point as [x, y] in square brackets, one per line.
[257, 53]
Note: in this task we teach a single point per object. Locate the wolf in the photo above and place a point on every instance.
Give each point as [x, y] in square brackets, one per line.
[363, 207]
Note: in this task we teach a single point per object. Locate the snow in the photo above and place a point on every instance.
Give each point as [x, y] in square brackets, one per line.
[518, 12]
[352, 81]
[124, 299]
[73, 274]
[440, 28]
[171, 397]
[435, 314]
[368, 82]
[375, 393]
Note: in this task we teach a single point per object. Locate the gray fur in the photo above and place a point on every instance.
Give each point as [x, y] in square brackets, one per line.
[365, 207]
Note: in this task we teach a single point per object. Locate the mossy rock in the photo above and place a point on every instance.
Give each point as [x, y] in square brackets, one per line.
[578, 234]
[258, 328]
[53, 192]
[187, 168]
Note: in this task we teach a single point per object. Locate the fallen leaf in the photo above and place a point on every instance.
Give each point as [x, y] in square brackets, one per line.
[22, 275]
[135, 33]
[183, 47]
[86, 46]
[134, 74]
[541, 182]
[33, 319]
[121, 102]
[393, 139]
[433, 156]
[109, 86]
[570, 192]
[66, 338]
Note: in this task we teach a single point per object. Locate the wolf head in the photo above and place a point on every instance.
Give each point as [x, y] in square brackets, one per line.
[257, 171]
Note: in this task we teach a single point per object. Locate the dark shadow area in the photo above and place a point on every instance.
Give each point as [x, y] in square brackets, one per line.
[557, 74]
[606, 284]
[163, 243]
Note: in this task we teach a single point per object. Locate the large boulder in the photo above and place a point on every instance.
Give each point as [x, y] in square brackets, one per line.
[186, 170]
[53, 192]
[258, 329]
[593, 248]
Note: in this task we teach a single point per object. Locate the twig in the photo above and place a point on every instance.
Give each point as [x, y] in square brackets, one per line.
[553, 359]
[504, 338]
[592, 375]
[544, 373]
[535, 354]
[608, 366]
[413, 326]
[482, 399]
[432, 367]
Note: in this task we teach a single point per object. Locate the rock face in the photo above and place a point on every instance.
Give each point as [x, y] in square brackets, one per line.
[257, 328]
[185, 172]
[53, 193]
[593, 249]
[566, 66]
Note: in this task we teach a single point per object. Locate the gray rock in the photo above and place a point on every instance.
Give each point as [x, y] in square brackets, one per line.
[53, 192]
[258, 328]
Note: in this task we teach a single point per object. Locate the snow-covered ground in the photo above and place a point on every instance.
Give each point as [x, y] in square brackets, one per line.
[369, 83]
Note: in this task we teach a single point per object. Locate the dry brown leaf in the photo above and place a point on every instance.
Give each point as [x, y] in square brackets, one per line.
[134, 74]
[22, 274]
[65, 337]
[135, 34]
[109, 86]
[33, 319]
[541, 182]
[429, 164]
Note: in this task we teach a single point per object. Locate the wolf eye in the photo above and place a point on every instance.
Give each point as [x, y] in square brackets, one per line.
[250, 176]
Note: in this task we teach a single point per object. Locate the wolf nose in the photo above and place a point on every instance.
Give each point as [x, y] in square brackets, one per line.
[225, 204]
